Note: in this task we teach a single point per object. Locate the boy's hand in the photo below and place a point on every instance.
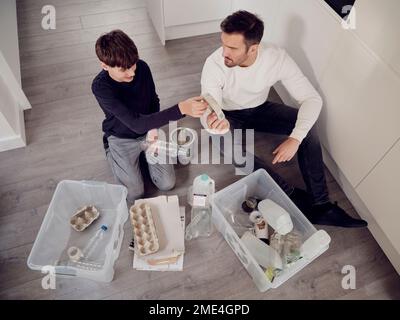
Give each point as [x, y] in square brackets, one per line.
[286, 150]
[218, 125]
[194, 107]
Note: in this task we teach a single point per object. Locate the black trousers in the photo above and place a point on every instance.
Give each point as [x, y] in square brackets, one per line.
[280, 119]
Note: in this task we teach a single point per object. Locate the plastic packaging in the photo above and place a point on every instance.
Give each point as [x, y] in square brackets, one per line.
[260, 226]
[200, 223]
[184, 139]
[93, 243]
[240, 218]
[159, 150]
[288, 246]
[264, 254]
[250, 204]
[277, 217]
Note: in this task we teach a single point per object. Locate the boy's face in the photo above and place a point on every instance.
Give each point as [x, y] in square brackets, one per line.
[120, 74]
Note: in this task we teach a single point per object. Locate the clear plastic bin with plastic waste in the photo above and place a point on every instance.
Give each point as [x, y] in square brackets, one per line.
[228, 202]
[60, 246]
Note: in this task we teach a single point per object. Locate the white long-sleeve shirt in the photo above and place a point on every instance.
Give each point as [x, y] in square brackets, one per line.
[248, 87]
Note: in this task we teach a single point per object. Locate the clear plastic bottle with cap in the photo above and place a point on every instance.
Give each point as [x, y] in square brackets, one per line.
[200, 223]
[93, 243]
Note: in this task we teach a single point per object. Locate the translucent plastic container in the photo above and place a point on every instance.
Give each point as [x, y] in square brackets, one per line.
[259, 184]
[56, 238]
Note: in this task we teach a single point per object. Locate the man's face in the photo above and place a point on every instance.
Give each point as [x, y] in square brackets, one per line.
[120, 74]
[234, 49]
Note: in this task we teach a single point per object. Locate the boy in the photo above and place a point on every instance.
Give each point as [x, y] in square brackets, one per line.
[126, 93]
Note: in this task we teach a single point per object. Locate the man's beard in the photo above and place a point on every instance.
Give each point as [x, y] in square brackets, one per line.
[229, 63]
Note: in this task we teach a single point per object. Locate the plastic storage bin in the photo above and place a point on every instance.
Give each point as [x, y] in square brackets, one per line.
[56, 234]
[259, 184]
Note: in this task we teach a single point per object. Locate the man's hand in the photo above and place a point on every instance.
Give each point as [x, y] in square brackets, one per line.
[214, 123]
[286, 150]
[194, 107]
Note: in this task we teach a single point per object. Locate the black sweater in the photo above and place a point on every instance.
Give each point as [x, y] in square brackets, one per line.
[131, 108]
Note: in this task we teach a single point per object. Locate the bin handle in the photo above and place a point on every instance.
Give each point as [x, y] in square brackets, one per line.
[117, 243]
[94, 183]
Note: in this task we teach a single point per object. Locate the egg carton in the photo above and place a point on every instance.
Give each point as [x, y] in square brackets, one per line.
[84, 217]
[144, 230]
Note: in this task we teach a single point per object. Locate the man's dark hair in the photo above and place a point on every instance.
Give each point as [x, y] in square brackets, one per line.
[245, 23]
[116, 49]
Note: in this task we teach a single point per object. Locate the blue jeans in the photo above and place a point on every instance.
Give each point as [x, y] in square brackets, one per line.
[280, 119]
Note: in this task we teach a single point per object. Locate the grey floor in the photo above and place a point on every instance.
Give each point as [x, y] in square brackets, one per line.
[64, 142]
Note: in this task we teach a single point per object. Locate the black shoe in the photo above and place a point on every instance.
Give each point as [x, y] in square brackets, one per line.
[302, 200]
[331, 214]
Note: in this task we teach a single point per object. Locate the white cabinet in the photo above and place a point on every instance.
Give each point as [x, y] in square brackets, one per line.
[380, 193]
[174, 19]
[180, 12]
[359, 120]
[378, 27]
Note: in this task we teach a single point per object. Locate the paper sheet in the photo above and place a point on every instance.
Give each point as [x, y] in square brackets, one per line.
[170, 221]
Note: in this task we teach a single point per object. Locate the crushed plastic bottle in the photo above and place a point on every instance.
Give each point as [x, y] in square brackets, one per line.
[200, 223]
[288, 246]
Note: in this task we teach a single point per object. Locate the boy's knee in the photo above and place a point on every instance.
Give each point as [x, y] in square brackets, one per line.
[134, 193]
[165, 183]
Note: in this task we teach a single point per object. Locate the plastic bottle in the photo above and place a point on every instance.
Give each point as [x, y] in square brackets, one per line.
[200, 224]
[159, 149]
[278, 218]
[93, 243]
[260, 226]
[288, 246]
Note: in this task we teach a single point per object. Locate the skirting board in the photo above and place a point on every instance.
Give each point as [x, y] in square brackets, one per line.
[191, 30]
[12, 143]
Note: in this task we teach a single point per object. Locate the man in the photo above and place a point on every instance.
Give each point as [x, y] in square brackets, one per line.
[239, 76]
[126, 93]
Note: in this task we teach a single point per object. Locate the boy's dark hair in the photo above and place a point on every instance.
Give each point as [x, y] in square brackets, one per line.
[245, 23]
[116, 49]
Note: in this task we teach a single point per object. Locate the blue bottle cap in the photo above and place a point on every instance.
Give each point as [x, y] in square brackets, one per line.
[104, 227]
[204, 177]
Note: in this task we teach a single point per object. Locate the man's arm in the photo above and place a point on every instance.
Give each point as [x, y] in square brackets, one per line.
[212, 83]
[304, 93]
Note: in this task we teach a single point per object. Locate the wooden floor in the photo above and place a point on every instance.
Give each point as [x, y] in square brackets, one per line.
[63, 130]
